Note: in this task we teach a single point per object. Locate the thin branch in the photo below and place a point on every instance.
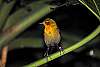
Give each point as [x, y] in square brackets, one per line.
[90, 9]
[96, 7]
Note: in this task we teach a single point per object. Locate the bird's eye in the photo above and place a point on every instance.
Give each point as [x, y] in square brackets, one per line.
[47, 22]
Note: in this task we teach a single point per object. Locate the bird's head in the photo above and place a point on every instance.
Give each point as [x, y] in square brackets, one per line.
[49, 22]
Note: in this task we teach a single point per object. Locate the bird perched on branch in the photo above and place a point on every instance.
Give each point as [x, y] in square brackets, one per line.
[52, 36]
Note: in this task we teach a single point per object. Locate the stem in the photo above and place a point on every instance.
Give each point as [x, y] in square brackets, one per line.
[67, 50]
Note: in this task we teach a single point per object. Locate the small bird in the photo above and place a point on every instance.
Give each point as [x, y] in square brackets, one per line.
[51, 35]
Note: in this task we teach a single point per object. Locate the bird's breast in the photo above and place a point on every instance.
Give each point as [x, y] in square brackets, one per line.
[49, 31]
[51, 35]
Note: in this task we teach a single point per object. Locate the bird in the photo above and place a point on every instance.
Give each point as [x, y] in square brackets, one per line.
[51, 35]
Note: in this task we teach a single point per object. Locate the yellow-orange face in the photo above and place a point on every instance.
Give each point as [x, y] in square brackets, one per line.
[49, 23]
[50, 27]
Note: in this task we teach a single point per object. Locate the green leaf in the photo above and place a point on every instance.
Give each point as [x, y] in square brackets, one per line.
[13, 31]
[21, 14]
[4, 12]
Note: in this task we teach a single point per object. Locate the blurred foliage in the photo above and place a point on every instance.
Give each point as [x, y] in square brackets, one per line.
[0, 2]
[4, 12]
[13, 31]
[22, 13]
[36, 42]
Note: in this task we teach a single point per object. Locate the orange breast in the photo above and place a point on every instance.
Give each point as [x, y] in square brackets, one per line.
[48, 30]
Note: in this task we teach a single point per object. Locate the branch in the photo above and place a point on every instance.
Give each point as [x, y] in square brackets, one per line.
[67, 50]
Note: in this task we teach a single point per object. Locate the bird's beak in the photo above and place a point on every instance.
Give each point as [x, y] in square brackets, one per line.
[40, 23]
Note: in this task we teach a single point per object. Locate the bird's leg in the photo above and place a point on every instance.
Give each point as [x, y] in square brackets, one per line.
[60, 48]
[46, 53]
